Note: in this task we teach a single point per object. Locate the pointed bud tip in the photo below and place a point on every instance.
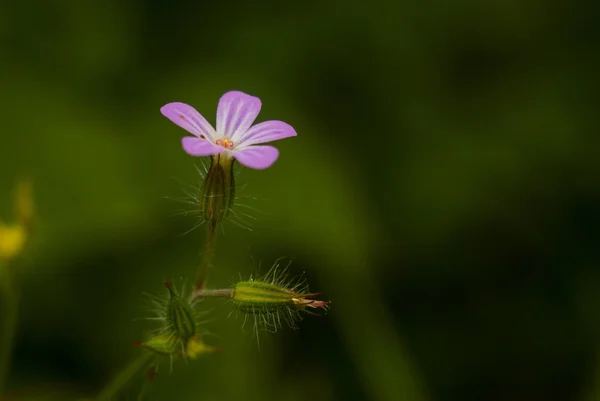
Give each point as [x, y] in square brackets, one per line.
[161, 344]
[169, 285]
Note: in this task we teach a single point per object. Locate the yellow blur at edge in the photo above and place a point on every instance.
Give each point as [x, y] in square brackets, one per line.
[12, 241]
[13, 237]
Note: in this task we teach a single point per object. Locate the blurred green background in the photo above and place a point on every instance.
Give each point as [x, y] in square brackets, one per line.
[443, 191]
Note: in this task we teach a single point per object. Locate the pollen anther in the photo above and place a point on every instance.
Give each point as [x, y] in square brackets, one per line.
[225, 142]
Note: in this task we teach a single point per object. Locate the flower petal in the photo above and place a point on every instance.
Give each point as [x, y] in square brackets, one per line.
[257, 157]
[266, 132]
[189, 119]
[236, 113]
[200, 147]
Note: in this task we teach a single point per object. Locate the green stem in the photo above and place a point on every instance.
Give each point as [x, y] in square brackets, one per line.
[8, 324]
[124, 377]
[211, 240]
[224, 293]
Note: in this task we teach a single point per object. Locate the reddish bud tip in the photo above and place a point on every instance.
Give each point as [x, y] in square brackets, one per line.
[169, 284]
[138, 343]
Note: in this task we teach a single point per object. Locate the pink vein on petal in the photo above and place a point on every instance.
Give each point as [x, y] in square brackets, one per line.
[267, 131]
[235, 114]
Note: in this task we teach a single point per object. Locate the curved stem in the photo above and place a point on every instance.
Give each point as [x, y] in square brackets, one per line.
[211, 240]
[124, 377]
[8, 324]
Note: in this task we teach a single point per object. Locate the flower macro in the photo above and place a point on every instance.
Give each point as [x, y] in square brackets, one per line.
[234, 136]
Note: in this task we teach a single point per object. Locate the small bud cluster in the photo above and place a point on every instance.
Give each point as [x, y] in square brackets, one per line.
[179, 333]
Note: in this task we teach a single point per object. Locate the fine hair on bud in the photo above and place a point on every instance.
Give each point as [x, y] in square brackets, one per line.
[217, 193]
[180, 316]
[275, 299]
[217, 196]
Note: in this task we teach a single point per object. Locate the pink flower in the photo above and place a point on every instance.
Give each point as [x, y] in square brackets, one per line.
[235, 135]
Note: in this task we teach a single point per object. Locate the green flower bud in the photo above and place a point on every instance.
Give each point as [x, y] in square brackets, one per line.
[180, 317]
[218, 189]
[260, 297]
[272, 302]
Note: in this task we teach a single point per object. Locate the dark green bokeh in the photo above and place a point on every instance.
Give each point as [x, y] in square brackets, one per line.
[443, 191]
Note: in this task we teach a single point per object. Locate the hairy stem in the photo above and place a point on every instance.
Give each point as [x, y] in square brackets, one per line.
[224, 293]
[124, 377]
[211, 240]
[9, 300]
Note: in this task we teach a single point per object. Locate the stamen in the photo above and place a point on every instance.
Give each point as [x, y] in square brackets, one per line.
[225, 142]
